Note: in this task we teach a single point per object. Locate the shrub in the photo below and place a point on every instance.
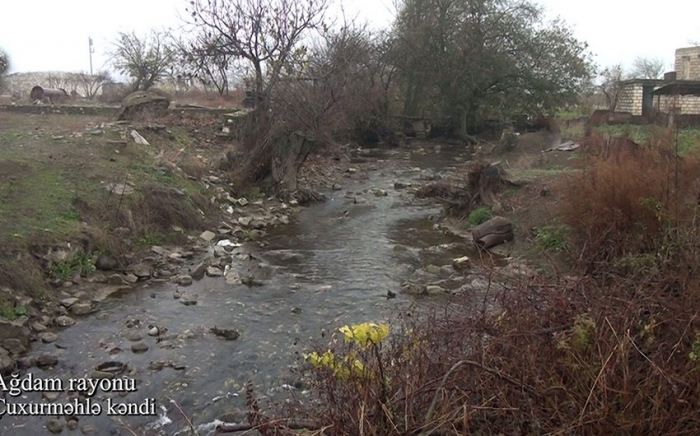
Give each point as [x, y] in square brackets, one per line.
[479, 215]
[626, 200]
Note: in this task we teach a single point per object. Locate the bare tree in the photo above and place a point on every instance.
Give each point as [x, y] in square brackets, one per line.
[647, 68]
[200, 59]
[4, 65]
[610, 85]
[91, 84]
[265, 33]
[146, 60]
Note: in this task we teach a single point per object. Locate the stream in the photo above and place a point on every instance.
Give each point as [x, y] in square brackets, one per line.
[331, 266]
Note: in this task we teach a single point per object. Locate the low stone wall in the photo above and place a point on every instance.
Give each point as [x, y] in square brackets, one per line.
[111, 111]
[107, 111]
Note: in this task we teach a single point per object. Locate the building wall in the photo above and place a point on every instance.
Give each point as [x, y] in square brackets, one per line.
[688, 63]
[688, 104]
[630, 99]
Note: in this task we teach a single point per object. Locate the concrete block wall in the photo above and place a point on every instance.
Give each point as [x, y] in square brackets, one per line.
[688, 63]
[630, 99]
[688, 104]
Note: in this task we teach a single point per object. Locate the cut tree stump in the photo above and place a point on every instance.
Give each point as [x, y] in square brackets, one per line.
[493, 232]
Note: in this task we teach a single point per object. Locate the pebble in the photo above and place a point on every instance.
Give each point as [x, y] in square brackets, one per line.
[139, 347]
[48, 337]
[54, 426]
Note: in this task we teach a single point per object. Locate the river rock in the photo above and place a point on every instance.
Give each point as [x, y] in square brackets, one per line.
[258, 224]
[460, 263]
[72, 423]
[244, 221]
[7, 364]
[104, 293]
[213, 271]
[64, 321]
[183, 280]
[400, 185]
[233, 278]
[188, 301]
[14, 345]
[433, 269]
[88, 429]
[198, 272]
[54, 426]
[46, 361]
[68, 302]
[139, 347]
[156, 365]
[434, 290]
[116, 279]
[106, 263]
[38, 327]
[50, 396]
[131, 278]
[159, 250]
[48, 337]
[336, 187]
[413, 289]
[381, 193]
[220, 251]
[134, 336]
[142, 270]
[228, 334]
[207, 236]
[13, 330]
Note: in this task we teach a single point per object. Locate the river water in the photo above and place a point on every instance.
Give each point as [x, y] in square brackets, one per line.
[333, 265]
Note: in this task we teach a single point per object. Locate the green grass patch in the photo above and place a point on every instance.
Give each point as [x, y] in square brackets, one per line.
[82, 263]
[151, 239]
[479, 216]
[10, 312]
[39, 201]
[551, 239]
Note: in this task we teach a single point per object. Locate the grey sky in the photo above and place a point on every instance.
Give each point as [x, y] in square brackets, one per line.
[52, 35]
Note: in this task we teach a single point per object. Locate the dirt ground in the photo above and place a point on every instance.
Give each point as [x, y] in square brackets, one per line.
[50, 162]
[541, 178]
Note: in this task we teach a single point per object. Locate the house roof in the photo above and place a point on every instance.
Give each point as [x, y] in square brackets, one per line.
[654, 82]
[679, 87]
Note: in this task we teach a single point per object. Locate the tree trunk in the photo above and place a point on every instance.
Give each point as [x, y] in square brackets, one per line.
[290, 153]
[462, 130]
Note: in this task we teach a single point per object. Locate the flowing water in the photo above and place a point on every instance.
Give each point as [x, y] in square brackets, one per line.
[331, 266]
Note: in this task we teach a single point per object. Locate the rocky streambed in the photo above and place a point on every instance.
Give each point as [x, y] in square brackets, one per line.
[223, 312]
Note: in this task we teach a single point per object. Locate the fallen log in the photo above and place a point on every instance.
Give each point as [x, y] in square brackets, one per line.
[493, 232]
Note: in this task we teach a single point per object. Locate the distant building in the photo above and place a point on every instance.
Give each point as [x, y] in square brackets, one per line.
[678, 91]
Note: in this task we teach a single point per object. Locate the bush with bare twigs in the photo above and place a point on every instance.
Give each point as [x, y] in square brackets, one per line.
[629, 199]
[597, 354]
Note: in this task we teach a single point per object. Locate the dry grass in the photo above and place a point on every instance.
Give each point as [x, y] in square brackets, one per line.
[628, 196]
[614, 352]
[21, 273]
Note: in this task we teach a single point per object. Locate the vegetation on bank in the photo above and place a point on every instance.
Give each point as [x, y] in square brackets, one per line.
[70, 178]
[612, 349]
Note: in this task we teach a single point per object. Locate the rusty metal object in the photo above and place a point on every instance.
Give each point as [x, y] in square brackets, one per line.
[48, 95]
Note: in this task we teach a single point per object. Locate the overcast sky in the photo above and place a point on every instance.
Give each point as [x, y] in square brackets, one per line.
[52, 35]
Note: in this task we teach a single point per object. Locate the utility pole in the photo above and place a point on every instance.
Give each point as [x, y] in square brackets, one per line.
[92, 50]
